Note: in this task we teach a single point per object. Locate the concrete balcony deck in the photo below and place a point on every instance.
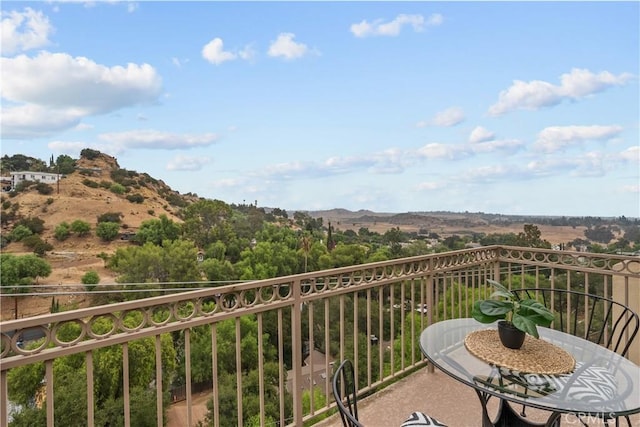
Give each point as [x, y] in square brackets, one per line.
[440, 396]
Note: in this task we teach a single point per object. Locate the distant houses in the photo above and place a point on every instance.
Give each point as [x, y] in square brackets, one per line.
[21, 176]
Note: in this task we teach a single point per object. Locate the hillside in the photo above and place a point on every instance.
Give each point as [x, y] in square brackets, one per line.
[73, 199]
[445, 224]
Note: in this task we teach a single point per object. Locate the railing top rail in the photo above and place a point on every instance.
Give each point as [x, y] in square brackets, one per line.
[623, 265]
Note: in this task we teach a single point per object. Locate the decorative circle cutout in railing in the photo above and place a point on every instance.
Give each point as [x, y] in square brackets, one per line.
[64, 334]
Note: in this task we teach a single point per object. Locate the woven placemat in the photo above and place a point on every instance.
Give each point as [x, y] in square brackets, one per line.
[536, 356]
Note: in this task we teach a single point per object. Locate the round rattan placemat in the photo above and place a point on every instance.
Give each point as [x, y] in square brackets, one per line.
[536, 356]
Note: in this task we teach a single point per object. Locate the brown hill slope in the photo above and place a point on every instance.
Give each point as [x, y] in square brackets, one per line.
[73, 199]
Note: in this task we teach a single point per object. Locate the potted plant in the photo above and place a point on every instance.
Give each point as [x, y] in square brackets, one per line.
[516, 316]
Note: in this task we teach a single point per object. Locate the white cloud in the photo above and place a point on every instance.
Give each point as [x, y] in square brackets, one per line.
[33, 121]
[435, 19]
[68, 89]
[394, 27]
[284, 46]
[248, 53]
[505, 145]
[187, 163]
[533, 95]
[428, 186]
[179, 62]
[489, 173]
[449, 117]
[441, 151]
[556, 138]
[59, 81]
[157, 140]
[631, 154]
[228, 183]
[22, 31]
[67, 147]
[214, 52]
[480, 134]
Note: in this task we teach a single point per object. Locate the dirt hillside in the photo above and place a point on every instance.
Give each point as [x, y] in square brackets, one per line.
[73, 199]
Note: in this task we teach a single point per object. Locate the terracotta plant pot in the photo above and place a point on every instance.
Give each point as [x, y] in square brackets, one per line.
[510, 336]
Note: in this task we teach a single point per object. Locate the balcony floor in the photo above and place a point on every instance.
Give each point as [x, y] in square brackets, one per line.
[438, 395]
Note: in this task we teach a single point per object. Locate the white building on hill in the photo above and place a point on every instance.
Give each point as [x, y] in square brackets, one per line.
[47, 178]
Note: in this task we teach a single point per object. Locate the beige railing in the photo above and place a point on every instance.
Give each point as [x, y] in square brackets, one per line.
[371, 313]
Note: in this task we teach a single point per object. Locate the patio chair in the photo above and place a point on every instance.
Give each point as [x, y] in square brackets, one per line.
[345, 394]
[595, 318]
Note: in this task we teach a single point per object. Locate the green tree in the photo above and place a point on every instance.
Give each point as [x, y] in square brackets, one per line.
[107, 231]
[157, 230]
[89, 279]
[267, 260]
[80, 227]
[207, 221]
[532, 237]
[36, 225]
[180, 260]
[62, 231]
[173, 262]
[19, 272]
[19, 232]
[65, 164]
[218, 270]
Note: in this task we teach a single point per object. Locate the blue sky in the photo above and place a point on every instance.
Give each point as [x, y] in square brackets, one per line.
[501, 107]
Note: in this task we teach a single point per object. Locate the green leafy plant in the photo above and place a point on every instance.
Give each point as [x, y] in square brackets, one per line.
[524, 314]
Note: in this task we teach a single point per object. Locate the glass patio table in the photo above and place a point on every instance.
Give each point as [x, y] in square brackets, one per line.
[603, 384]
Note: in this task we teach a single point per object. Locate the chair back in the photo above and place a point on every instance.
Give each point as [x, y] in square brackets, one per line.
[592, 317]
[345, 394]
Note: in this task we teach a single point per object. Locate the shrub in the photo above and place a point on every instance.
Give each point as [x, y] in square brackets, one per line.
[105, 184]
[117, 188]
[31, 240]
[62, 231]
[50, 200]
[23, 186]
[6, 204]
[107, 231]
[124, 177]
[110, 217]
[80, 227]
[135, 198]
[41, 247]
[151, 212]
[89, 279]
[36, 244]
[89, 154]
[19, 232]
[36, 225]
[90, 183]
[43, 188]
[175, 200]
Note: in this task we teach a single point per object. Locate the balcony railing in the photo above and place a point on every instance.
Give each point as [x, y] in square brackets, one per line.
[255, 337]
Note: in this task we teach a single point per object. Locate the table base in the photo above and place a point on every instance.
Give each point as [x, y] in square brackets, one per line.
[508, 417]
